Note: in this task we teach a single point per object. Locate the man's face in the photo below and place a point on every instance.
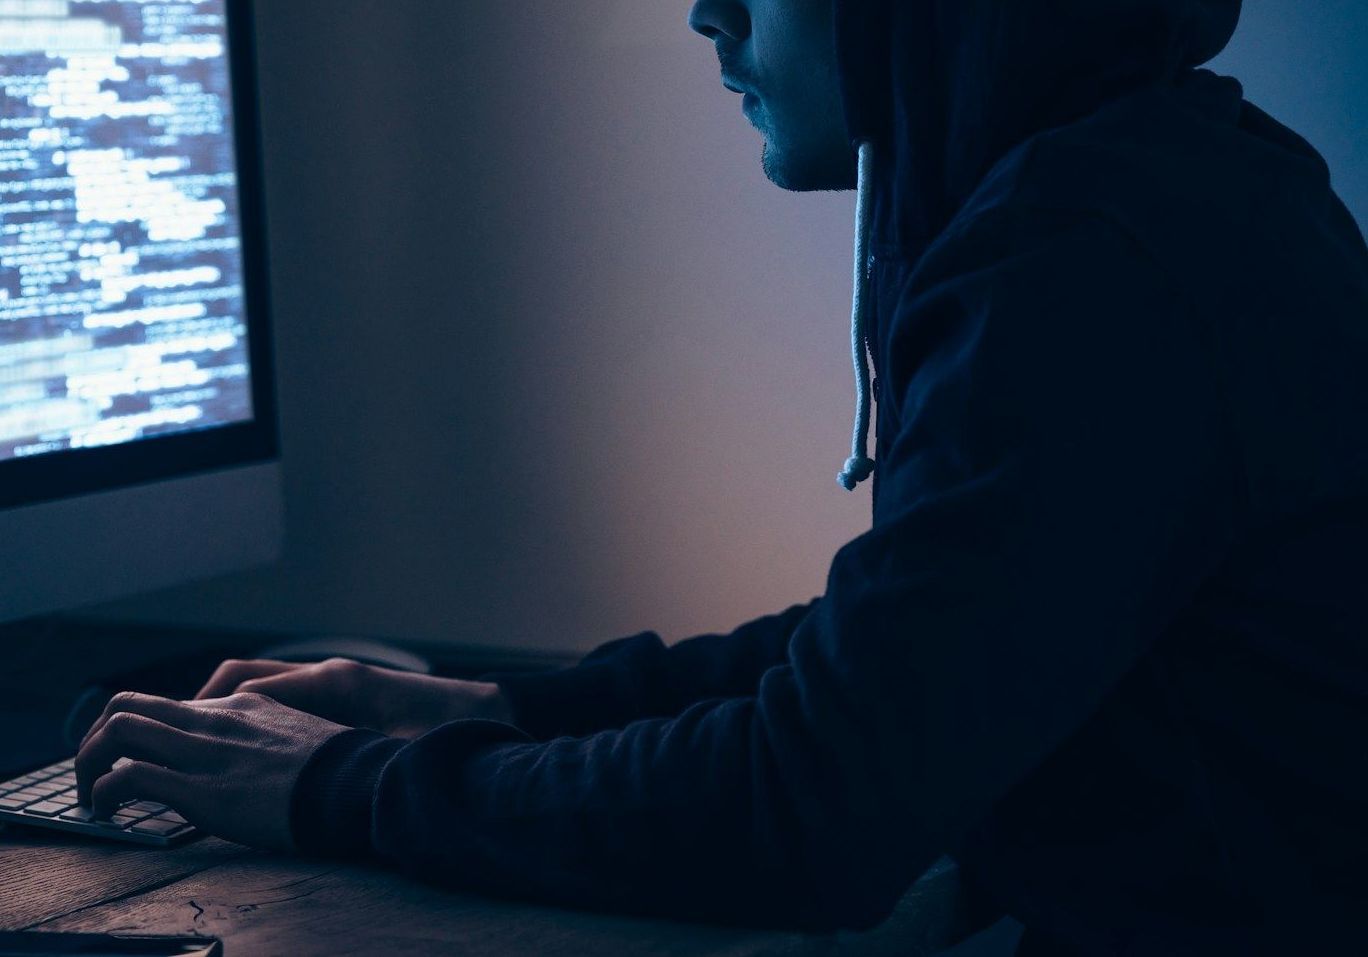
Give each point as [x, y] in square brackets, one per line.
[781, 54]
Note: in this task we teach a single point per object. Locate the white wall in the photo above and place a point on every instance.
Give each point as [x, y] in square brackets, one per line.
[557, 364]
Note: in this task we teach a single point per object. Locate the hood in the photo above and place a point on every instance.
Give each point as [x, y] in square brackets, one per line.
[937, 91]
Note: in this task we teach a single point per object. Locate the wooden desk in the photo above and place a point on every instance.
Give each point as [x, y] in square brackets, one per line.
[263, 905]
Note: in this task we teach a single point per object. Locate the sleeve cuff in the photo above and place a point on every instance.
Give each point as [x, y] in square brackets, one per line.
[597, 693]
[330, 807]
[541, 700]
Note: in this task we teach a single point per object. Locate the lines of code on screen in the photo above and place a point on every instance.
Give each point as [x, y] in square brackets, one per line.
[121, 300]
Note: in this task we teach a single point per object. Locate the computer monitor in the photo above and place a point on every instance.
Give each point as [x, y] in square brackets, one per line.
[138, 435]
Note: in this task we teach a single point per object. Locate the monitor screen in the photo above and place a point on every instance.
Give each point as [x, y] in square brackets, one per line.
[124, 300]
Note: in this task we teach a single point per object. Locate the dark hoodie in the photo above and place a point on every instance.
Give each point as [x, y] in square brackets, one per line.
[1105, 641]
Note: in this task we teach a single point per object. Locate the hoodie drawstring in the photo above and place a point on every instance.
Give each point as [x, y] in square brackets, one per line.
[860, 466]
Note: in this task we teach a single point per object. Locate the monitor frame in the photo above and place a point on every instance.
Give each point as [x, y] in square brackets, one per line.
[75, 472]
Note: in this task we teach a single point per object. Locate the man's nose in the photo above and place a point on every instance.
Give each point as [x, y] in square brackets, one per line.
[716, 19]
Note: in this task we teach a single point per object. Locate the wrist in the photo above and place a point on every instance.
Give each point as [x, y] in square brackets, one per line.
[416, 704]
[330, 804]
[493, 703]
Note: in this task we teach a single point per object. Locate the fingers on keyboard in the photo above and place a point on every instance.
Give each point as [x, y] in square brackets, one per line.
[50, 794]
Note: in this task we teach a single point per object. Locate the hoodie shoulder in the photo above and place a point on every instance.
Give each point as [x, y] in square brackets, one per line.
[1166, 163]
[1237, 213]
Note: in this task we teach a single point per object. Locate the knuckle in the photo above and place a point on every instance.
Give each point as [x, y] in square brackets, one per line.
[226, 670]
[345, 671]
[119, 704]
[125, 699]
[120, 723]
[124, 726]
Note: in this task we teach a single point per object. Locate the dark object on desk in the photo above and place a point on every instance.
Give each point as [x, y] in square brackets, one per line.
[368, 651]
[35, 943]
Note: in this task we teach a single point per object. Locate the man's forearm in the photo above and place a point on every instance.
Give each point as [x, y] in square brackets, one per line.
[640, 677]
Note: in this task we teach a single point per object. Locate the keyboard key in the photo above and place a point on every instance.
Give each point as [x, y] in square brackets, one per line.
[48, 787]
[149, 807]
[82, 814]
[45, 809]
[68, 778]
[125, 818]
[27, 796]
[67, 765]
[171, 816]
[12, 803]
[157, 827]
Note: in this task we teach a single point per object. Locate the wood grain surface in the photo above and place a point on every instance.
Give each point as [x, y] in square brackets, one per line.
[263, 904]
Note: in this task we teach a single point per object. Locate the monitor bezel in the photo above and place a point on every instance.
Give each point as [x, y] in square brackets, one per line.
[72, 473]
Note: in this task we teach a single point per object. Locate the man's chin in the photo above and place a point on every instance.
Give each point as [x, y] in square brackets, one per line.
[788, 172]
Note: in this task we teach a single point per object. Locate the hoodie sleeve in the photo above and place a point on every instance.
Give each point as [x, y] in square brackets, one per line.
[641, 677]
[1058, 488]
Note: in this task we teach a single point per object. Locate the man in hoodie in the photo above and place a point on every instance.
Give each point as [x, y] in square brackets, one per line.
[1104, 642]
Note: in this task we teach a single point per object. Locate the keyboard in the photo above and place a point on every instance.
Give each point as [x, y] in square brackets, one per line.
[47, 798]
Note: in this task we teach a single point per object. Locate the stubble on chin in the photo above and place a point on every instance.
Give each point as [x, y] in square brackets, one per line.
[778, 169]
[773, 171]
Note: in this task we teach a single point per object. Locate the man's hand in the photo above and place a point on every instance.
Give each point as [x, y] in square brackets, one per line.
[228, 765]
[395, 703]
